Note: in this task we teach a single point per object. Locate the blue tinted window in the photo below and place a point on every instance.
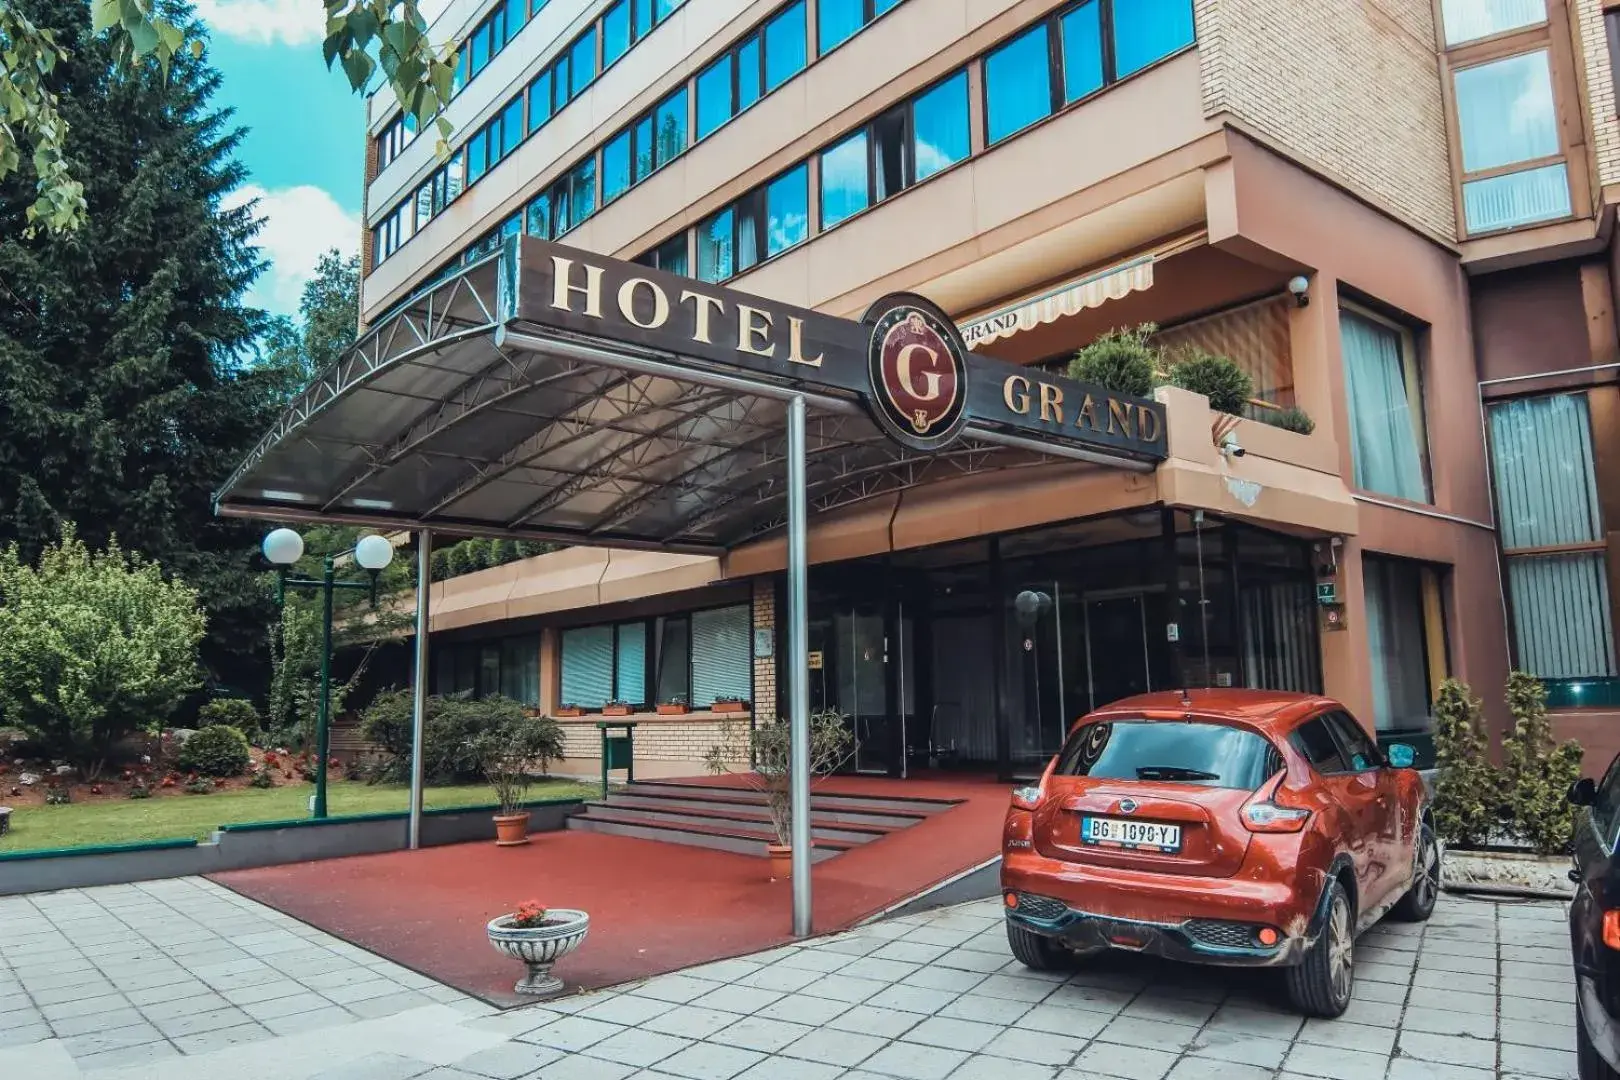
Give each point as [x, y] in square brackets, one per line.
[540, 99]
[536, 6]
[560, 94]
[714, 102]
[517, 13]
[880, 6]
[784, 46]
[615, 32]
[843, 180]
[1017, 84]
[671, 254]
[666, 8]
[787, 210]
[670, 119]
[616, 167]
[512, 225]
[1082, 51]
[582, 58]
[644, 18]
[478, 51]
[583, 194]
[714, 247]
[1149, 30]
[748, 73]
[837, 21]
[512, 125]
[475, 155]
[939, 122]
[646, 151]
[538, 218]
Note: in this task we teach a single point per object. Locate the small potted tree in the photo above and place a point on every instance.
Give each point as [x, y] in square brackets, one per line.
[832, 743]
[506, 753]
[538, 937]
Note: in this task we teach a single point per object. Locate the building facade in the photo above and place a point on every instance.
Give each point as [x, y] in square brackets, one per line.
[1396, 216]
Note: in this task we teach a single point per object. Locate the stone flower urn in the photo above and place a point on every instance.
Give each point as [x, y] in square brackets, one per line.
[551, 935]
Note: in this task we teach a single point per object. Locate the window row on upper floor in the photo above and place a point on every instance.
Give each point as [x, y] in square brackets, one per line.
[907, 143]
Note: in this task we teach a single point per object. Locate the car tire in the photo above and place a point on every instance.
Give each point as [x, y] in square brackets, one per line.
[1320, 984]
[1034, 951]
[1418, 902]
[1589, 1064]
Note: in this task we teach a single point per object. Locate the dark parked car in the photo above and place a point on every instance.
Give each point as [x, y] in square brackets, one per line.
[1594, 926]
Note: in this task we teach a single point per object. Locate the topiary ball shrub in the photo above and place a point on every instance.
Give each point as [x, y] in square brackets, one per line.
[1121, 360]
[1227, 386]
[1292, 418]
[238, 713]
[220, 750]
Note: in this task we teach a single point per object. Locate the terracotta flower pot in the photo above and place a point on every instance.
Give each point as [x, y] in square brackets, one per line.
[511, 829]
[673, 710]
[781, 857]
[616, 710]
[730, 708]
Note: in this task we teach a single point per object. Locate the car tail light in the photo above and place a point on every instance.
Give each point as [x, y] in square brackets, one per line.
[1611, 928]
[1264, 814]
[1028, 797]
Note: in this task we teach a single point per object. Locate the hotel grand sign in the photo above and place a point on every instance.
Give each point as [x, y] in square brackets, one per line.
[904, 360]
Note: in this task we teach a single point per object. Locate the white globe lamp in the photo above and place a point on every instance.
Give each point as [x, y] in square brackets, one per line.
[373, 552]
[283, 547]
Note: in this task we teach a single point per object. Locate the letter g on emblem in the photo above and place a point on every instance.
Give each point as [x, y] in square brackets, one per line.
[918, 370]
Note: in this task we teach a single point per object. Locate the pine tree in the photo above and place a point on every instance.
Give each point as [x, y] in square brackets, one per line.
[1467, 788]
[1537, 772]
[124, 396]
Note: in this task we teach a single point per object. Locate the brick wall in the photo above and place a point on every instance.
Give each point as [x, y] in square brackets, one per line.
[681, 738]
[371, 170]
[765, 666]
[1594, 55]
[1351, 87]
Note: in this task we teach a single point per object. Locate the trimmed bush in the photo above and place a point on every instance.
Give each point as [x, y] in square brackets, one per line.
[450, 735]
[1292, 418]
[1218, 378]
[1466, 791]
[235, 712]
[1536, 772]
[220, 750]
[1121, 360]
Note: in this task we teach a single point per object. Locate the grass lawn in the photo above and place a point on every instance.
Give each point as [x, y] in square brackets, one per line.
[121, 821]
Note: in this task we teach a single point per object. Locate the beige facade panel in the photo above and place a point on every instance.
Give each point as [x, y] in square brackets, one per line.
[1353, 89]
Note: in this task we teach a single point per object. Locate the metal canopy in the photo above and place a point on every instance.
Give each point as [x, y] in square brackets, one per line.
[483, 406]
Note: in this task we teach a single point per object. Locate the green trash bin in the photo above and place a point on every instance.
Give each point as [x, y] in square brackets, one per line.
[618, 751]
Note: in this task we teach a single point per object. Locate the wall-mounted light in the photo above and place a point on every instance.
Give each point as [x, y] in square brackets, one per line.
[1299, 288]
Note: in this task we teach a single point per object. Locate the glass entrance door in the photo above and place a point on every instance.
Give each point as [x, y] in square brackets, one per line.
[1118, 657]
[858, 666]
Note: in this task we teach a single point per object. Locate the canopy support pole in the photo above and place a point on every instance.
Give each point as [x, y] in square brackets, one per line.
[419, 679]
[798, 665]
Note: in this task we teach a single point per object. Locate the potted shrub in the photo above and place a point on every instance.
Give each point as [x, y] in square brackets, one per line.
[832, 743]
[675, 706]
[730, 705]
[538, 937]
[617, 708]
[1227, 386]
[567, 711]
[1123, 360]
[506, 753]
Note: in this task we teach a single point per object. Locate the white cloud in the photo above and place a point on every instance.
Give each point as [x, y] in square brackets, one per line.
[300, 224]
[264, 22]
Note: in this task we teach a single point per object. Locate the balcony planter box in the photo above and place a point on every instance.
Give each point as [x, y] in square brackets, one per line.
[674, 708]
[569, 711]
[616, 710]
[732, 706]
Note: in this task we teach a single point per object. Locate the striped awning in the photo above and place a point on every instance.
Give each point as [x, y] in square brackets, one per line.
[1092, 290]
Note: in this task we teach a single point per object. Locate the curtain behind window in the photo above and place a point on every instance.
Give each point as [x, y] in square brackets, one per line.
[1384, 443]
[1395, 637]
[721, 664]
[520, 669]
[587, 666]
[1546, 491]
[1279, 637]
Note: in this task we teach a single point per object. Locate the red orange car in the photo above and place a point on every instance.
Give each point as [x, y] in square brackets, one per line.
[1230, 827]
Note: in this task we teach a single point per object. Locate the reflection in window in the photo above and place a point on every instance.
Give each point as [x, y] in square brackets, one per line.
[1405, 639]
[757, 64]
[1505, 117]
[1018, 84]
[1551, 528]
[766, 221]
[671, 255]
[1149, 30]
[582, 61]
[673, 635]
[839, 20]
[1469, 20]
[910, 142]
[940, 127]
[565, 204]
[1388, 444]
[647, 145]
[1082, 51]
[843, 180]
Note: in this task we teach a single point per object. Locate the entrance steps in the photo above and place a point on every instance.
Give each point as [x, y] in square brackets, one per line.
[730, 818]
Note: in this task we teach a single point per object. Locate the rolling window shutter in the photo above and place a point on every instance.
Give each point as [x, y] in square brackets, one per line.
[720, 655]
[587, 666]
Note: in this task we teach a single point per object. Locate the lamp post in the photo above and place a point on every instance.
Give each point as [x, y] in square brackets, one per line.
[284, 547]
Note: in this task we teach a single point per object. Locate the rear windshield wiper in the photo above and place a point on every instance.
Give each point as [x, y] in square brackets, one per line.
[1173, 772]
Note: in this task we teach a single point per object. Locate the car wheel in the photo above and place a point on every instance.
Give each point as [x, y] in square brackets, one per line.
[1320, 984]
[1034, 951]
[1589, 1064]
[1418, 903]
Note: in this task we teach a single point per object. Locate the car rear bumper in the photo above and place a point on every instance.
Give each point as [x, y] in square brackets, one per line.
[1199, 920]
[1601, 1030]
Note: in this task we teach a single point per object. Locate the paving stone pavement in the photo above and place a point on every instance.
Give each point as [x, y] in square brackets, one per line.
[182, 979]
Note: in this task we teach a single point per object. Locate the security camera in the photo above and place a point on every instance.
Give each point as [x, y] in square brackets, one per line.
[1230, 445]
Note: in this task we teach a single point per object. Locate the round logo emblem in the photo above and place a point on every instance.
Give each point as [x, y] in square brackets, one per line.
[1127, 806]
[918, 370]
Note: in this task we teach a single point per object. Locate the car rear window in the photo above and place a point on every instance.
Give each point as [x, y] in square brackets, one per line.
[1177, 751]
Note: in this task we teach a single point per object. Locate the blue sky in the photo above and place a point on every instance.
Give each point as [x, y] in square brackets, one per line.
[305, 146]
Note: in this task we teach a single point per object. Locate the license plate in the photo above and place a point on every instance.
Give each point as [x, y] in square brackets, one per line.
[1125, 833]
